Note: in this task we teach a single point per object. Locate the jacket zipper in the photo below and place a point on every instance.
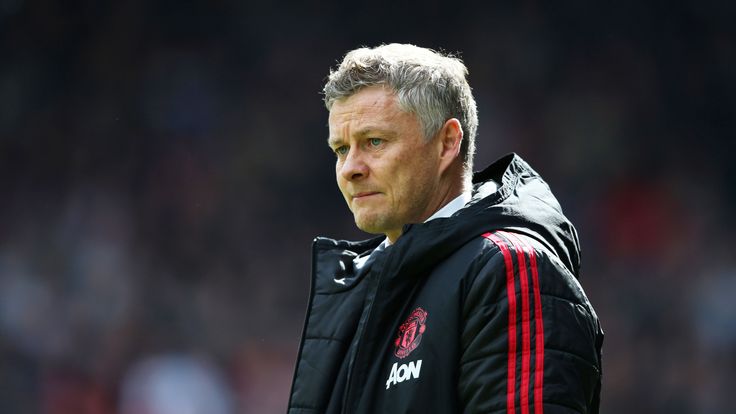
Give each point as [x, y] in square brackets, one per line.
[365, 319]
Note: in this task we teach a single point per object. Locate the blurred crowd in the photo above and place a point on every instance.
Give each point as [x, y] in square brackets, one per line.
[163, 170]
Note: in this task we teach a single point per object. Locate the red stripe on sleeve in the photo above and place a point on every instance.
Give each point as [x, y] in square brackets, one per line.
[525, 321]
[538, 331]
[511, 294]
[538, 336]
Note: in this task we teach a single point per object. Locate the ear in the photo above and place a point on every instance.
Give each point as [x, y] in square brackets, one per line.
[450, 137]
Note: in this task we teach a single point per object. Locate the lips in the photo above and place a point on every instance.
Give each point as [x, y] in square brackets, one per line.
[364, 195]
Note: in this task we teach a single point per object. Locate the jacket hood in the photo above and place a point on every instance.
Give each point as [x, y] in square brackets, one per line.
[527, 205]
[523, 203]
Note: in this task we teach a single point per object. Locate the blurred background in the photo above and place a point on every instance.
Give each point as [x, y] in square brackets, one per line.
[163, 171]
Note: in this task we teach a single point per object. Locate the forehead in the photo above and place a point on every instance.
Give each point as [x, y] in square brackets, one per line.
[374, 104]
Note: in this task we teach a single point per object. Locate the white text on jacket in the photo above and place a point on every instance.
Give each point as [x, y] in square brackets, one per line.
[403, 372]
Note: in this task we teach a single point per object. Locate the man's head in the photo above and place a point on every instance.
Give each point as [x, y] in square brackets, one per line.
[427, 83]
[402, 123]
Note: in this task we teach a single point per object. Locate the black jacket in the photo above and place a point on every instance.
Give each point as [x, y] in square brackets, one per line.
[480, 312]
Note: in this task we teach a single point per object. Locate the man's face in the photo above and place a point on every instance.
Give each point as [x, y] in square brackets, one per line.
[386, 170]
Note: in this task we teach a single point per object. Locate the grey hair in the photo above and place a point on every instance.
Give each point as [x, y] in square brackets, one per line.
[427, 83]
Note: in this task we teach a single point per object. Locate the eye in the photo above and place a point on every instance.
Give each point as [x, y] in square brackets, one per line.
[341, 150]
[375, 141]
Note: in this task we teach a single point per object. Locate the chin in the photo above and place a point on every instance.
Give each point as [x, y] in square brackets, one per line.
[369, 229]
[372, 225]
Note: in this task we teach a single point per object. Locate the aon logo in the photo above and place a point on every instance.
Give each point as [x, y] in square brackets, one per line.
[403, 372]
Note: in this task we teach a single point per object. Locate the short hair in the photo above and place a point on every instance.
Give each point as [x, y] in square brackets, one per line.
[430, 84]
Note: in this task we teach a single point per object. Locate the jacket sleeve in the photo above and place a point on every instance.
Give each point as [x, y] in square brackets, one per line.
[530, 341]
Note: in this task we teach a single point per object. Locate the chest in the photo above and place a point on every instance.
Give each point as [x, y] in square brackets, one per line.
[403, 354]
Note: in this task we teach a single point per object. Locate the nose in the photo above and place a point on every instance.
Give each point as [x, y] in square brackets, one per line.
[353, 167]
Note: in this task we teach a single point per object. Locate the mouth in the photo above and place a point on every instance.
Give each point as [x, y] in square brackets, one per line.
[364, 195]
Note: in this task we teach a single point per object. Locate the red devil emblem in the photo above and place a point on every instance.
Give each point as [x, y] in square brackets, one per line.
[410, 333]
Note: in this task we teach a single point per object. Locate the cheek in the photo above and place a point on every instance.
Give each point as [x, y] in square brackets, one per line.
[406, 182]
[338, 176]
[342, 187]
[417, 181]
[340, 182]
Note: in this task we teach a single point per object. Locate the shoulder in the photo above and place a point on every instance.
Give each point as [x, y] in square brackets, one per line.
[500, 260]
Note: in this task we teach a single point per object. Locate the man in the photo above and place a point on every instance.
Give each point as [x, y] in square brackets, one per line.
[469, 301]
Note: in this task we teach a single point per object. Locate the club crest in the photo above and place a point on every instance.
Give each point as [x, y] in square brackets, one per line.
[410, 333]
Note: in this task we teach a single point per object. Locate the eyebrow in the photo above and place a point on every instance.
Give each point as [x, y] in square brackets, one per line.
[331, 141]
[368, 130]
